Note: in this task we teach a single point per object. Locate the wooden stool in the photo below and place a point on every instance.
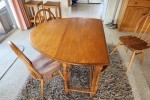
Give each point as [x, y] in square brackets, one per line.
[30, 7]
[54, 5]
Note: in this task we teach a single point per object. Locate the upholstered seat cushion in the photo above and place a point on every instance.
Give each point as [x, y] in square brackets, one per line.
[133, 42]
[45, 66]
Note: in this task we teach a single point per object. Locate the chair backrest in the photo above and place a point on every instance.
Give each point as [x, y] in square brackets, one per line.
[143, 28]
[43, 15]
[27, 62]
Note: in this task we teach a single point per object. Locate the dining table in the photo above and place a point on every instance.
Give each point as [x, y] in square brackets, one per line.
[74, 41]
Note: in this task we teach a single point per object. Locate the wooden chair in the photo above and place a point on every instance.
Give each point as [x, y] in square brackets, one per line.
[42, 68]
[53, 5]
[31, 8]
[42, 16]
[139, 41]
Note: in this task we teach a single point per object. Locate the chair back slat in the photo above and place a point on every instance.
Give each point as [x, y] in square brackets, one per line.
[45, 16]
[147, 36]
[142, 28]
[42, 16]
[23, 58]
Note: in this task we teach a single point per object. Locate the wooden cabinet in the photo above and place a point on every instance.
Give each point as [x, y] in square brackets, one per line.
[130, 13]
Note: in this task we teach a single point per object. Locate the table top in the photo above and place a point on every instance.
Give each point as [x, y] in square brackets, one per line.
[78, 41]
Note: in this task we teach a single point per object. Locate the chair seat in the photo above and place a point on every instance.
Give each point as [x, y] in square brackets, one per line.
[34, 3]
[45, 66]
[50, 3]
[134, 43]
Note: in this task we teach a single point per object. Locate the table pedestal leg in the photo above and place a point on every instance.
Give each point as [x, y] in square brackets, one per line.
[66, 78]
[95, 79]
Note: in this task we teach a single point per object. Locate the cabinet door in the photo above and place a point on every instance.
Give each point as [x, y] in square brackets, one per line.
[131, 18]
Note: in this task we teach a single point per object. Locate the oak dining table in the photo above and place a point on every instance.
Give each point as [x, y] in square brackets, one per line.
[74, 41]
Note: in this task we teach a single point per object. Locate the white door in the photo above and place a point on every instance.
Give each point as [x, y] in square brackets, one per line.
[94, 1]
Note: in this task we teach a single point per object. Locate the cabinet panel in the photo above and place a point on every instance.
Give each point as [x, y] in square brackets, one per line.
[141, 3]
[131, 18]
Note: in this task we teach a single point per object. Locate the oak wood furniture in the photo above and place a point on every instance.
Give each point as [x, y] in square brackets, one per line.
[139, 41]
[42, 16]
[41, 68]
[131, 12]
[73, 41]
[31, 8]
[55, 5]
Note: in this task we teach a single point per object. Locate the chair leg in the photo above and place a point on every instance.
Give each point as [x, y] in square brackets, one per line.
[61, 74]
[60, 10]
[42, 88]
[126, 48]
[116, 47]
[131, 60]
[56, 12]
[142, 57]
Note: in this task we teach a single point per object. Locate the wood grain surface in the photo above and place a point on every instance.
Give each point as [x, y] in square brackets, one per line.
[72, 40]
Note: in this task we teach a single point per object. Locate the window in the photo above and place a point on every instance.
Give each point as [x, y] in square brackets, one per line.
[7, 23]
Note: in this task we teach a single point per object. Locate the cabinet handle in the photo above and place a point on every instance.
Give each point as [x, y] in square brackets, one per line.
[136, 3]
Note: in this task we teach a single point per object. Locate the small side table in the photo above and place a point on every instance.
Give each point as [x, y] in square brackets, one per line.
[55, 5]
[30, 7]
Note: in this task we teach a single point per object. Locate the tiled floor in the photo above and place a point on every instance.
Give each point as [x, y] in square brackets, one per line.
[138, 75]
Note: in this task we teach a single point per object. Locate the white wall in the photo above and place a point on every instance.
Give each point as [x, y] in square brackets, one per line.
[119, 7]
[108, 9]
[13, 12]
[83, 1]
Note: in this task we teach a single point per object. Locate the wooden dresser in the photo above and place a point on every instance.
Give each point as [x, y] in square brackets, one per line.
[130, 13]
